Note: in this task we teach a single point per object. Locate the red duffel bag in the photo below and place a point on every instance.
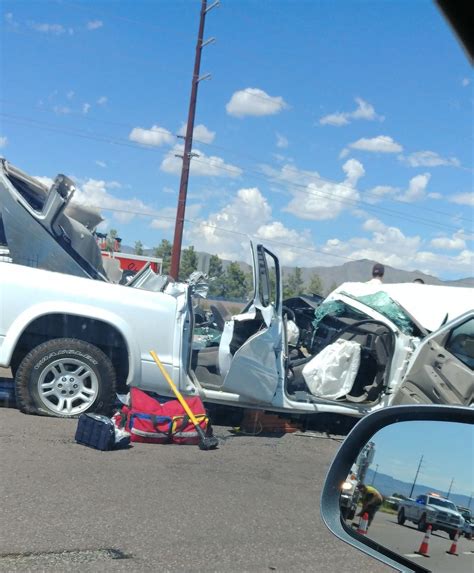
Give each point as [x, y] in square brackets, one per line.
[156, 419]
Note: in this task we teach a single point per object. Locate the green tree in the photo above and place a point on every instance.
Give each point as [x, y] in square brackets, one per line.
[217, 276]
[188, 263]
[235, 284]
[138, 248]
[293, 285]
[316, 285]
[163, 251]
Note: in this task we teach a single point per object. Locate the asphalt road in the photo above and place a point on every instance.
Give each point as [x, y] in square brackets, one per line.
[251, 505]
[406, 540]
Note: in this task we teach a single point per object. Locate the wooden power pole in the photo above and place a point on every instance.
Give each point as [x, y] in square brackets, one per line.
[188, 142]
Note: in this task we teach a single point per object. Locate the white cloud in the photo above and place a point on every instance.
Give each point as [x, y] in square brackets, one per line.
[416, 188]
[465, 82]
[289, 174]
[70, 94]
[385, 243]
[282, 141]
[203, 166]
[201, 133]
[463, 199]
[379, 144]
[428, 159]
[379, 192]
[364, 110]
[3, 141]
[62, 109]
[44, 28]
[85, 108]
[156, 136]
[254, 101]
[374, 225]
[322, 200]
[102, 100]
[167, 216]
[344, 153]
[96, 193]
[101, 163]
[225, 232]
[94, 24]
[456, 242]
[47, 181]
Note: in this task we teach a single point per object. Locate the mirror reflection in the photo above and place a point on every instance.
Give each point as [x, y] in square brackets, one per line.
[411, 488]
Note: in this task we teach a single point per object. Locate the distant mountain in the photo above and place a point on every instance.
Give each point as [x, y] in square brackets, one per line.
[387, 486]
[352, 271]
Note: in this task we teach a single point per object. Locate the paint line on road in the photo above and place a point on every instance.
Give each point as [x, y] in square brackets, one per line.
[413, 555]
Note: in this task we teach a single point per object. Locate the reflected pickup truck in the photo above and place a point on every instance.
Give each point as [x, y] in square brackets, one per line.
[431, 509]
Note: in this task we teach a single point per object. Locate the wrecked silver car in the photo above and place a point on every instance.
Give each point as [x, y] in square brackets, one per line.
[72, 338]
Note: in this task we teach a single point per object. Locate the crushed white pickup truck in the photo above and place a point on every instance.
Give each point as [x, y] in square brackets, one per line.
[72, 338]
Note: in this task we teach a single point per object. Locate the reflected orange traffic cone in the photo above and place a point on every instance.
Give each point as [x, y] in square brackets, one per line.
[423, 550]
[453, 550]
[363, 524]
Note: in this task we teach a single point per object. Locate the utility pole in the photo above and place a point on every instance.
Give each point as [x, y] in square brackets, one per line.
[375, 473]
[416, 477]
[449, 490]
[188, 142]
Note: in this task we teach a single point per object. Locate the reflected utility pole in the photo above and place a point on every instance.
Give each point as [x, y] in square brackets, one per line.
[375, 473]
[416, 477]
[188, 142]
[449, 490]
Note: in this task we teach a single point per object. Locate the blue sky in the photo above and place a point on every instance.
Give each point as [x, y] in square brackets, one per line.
[332, 131]
[447, 449]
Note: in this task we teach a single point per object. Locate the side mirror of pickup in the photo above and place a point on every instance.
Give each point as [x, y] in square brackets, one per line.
[416, 451]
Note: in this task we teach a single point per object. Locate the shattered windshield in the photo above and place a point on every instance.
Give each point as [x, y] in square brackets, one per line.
[382, 303]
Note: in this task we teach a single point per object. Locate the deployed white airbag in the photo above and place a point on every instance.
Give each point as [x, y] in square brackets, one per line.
[331, 373]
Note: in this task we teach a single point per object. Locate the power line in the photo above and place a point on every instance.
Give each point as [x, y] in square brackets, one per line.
[292, 246]
[304, 173]
[285, 185]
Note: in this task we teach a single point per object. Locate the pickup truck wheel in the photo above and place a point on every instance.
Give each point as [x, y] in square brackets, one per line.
[422, 523]
[401, 517]
[452, 535]
[65, 377]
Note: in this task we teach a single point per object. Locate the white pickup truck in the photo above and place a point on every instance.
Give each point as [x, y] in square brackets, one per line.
[431, 509]
[72, 337]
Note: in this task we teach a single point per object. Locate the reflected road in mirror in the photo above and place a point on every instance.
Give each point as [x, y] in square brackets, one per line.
[410, 489]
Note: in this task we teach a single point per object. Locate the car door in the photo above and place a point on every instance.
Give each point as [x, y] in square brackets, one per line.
[441, 371]
[254, 366]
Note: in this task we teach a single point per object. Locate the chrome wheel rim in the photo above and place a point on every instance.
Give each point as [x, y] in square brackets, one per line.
[68, 386]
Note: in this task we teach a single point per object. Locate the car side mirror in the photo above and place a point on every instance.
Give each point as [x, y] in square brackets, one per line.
[395, 455]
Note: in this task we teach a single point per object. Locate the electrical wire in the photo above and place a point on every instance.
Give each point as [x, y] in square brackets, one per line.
[306, 174]
[256, 175]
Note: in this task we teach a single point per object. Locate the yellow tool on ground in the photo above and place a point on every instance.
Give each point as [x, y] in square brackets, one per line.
[205, 442]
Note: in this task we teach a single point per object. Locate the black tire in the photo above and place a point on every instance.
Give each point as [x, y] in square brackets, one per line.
[401, 516]
[422, 523]
[88, 374]
[452, 535]
[351, 514]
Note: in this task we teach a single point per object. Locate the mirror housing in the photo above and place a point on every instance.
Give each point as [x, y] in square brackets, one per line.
[342, 463]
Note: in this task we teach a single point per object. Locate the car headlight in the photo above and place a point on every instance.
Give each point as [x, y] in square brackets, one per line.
[346, 486]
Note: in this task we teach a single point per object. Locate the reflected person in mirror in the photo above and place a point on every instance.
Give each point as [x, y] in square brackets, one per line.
[372, 499]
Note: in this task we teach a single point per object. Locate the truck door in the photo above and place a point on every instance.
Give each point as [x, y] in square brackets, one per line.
[252, 360]
[442, 368]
